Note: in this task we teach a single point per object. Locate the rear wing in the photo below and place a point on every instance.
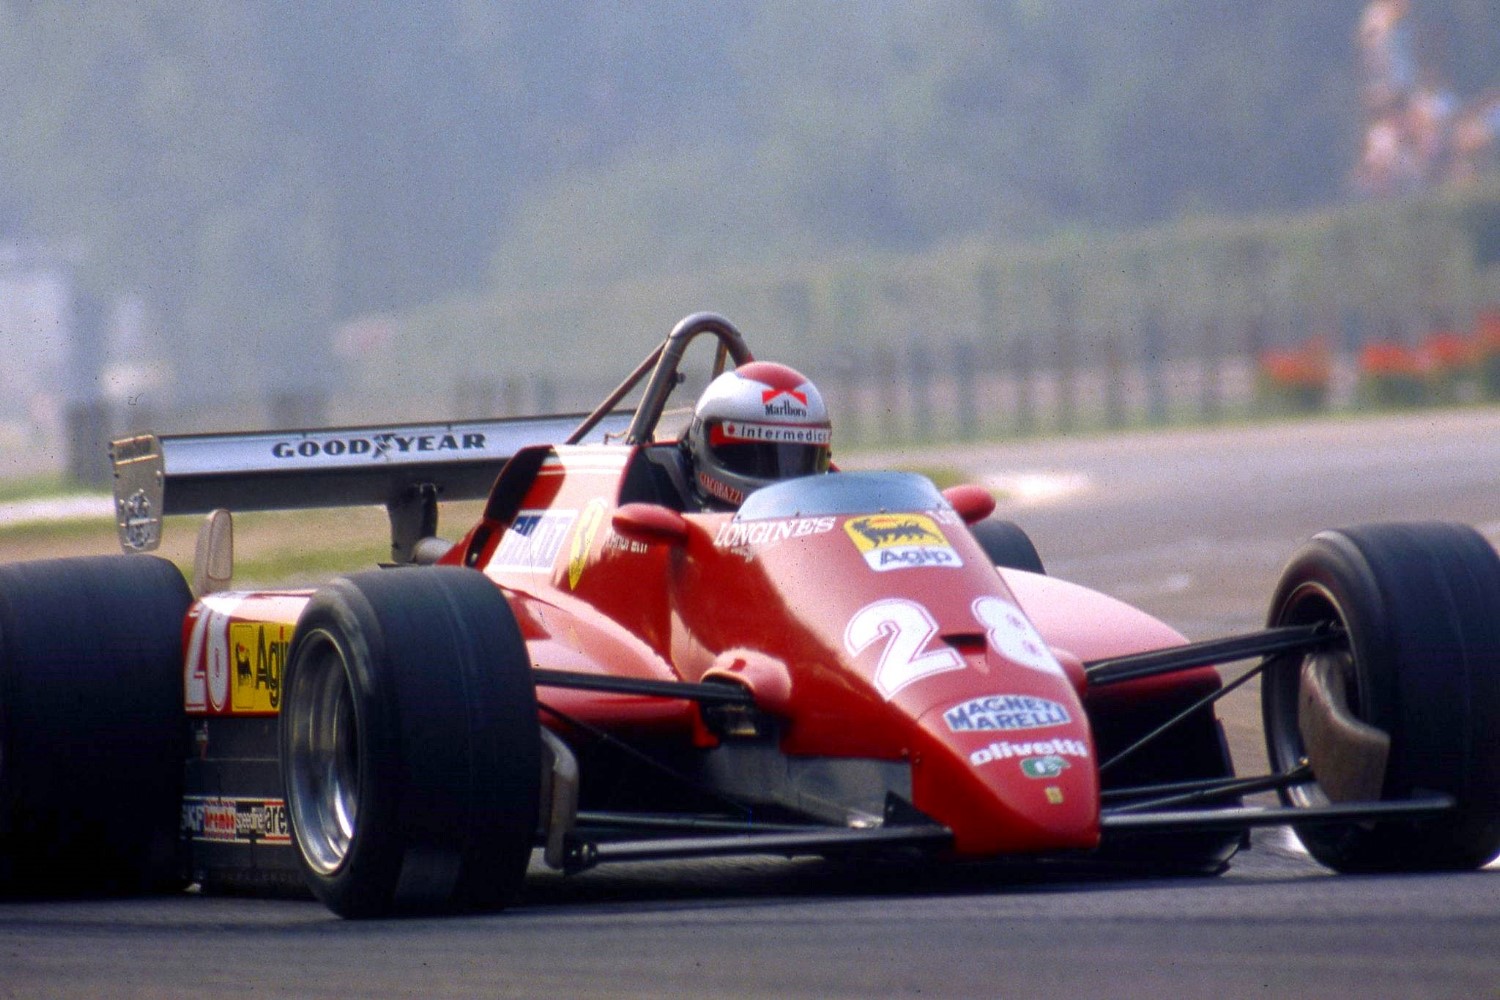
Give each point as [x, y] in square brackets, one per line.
[405, 467]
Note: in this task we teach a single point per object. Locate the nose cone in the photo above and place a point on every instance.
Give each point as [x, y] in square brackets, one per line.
[1007, 761]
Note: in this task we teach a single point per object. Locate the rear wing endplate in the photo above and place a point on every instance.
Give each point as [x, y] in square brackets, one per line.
[405, 467]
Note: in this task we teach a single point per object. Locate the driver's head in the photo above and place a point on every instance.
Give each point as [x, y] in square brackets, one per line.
[757, 424]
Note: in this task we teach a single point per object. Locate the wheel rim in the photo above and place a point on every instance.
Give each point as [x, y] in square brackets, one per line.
[1309, 604]
[323, 756]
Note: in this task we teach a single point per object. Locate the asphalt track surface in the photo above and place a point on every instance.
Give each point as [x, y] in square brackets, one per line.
[1194, 526]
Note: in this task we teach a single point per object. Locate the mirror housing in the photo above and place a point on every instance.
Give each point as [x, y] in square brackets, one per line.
[650, 522]
[972, 503]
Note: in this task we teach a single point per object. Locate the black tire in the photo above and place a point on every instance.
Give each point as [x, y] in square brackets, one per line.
[1420, 604]
[93, 735]
[1007, 545]
[410, 746]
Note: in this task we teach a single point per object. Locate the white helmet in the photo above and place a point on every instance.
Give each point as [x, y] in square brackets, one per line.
[760, 423]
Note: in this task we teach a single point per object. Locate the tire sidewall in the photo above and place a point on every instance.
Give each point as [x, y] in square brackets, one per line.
[448, 741]
[341, 615]
[93, 732]
[1420, 604]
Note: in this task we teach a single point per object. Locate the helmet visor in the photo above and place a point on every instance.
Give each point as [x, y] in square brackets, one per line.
[766, 461]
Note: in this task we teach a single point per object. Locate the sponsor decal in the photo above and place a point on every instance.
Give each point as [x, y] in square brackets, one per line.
[741, 534]
[1014, 637]
[1049, 766]
[1054, 795]
[583, 540]
[225, 820]
[734, 430]
[377, 446]
[784, 402]
[533, 540]
[900, 541]
[615, 542]
[1005, 712]
[1008, 750]
[723, 491]
[260, 654]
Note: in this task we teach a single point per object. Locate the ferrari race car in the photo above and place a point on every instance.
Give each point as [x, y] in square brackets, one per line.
[602, 670]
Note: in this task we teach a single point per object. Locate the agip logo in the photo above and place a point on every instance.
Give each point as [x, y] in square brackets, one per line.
[259, 660]
[900, 541]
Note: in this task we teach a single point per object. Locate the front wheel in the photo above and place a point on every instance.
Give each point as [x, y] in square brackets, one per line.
[1406, 702]
[410, 747]
[1007, 545]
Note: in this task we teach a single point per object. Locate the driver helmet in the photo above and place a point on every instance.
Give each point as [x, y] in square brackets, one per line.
[757, 424]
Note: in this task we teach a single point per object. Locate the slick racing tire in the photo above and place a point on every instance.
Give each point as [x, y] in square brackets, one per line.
[1007, 545]
[92, 731]
[1410, 695]
[410, 746]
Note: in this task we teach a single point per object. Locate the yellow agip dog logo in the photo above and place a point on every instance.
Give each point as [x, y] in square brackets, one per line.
[900, 541]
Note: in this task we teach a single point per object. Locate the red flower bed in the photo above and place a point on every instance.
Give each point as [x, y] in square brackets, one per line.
[1487, 352]
[1296, 378]
[1392, 374]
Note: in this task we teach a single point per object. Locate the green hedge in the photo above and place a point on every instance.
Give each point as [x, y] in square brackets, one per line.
[1199, 287]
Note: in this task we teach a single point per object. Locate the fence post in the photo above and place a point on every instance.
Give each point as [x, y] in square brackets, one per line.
[1211, 375]
[965, 403]
[1065, 346]
[1021, 365]
[844, 407]
[475, 398]
[919, 360]
[1153, 347]
[88, 443]
[513, 402]
[86, 414]
[1256, 344]
[885, 422]
[544, 391]
[297, 409]
[1114, 383]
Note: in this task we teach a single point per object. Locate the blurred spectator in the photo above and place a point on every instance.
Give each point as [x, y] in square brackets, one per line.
[1386, 60]
[1476, 137]
[1431, 113]
[1387, 165]
[1415, 132]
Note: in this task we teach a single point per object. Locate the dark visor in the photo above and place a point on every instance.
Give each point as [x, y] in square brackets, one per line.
[772, 461]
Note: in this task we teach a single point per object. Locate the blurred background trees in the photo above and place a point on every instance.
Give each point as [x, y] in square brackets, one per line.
[255, 173]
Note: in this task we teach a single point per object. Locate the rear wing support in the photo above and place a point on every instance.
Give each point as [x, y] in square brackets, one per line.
[406, 468]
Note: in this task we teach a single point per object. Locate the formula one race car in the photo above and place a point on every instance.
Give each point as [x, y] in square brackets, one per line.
[604, 668]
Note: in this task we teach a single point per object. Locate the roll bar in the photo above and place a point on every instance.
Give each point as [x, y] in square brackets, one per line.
[662, 363]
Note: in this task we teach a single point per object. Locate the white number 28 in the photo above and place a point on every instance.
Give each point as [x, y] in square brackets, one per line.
[908, 630]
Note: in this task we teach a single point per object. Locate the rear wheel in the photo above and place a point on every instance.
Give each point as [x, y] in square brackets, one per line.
[92, 731]
[1408, 702]
[410, 747]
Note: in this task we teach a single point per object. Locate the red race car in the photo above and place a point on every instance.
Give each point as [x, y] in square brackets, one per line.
[701, 646]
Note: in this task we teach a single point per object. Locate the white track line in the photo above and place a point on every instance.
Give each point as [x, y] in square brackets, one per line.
[70, 508]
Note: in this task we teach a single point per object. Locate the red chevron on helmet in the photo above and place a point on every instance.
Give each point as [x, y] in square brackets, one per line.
[760, 423]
